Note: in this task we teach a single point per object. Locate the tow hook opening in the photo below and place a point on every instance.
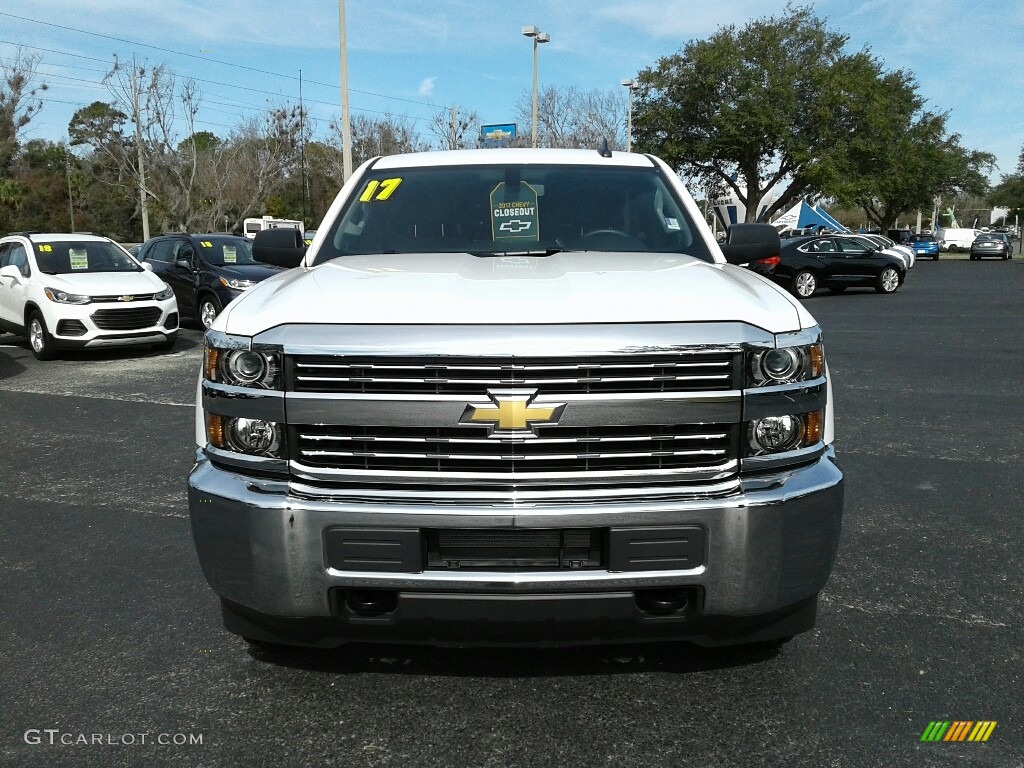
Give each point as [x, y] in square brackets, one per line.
[371, 602]
[664, 602]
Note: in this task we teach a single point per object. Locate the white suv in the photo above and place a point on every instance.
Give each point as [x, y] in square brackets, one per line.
[75, 291]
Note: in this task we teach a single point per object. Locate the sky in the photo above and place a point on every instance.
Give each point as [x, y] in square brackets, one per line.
[412, 58]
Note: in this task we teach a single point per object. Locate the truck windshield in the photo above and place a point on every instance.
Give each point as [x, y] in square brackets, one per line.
[495, 210]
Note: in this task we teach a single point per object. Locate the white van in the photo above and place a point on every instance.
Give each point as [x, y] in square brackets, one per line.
[955, 239]
[251, 226]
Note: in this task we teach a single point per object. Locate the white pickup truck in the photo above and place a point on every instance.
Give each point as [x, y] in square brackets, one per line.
[515, 396]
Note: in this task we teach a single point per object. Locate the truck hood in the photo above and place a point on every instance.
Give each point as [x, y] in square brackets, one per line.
[569, 288]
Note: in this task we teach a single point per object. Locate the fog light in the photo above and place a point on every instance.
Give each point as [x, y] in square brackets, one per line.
[775, 433]
[253, 435]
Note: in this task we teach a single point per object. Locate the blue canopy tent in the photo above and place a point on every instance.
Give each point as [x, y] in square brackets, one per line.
[804, 216]
[835, 224]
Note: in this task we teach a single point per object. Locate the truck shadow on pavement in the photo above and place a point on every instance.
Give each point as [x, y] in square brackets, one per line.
[9, 365]
[677, 658]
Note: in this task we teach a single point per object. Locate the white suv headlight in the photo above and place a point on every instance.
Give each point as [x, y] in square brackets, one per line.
[63, 297]
[165, 294]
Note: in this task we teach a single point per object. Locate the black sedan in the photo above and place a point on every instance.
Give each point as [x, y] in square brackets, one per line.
[991, 245]
[834, 261]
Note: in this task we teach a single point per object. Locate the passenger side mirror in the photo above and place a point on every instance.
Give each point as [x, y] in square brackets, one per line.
[147, 266]
[750, 242]
[282, 247]
[185, 263]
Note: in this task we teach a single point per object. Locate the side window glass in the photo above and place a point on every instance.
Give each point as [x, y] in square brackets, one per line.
[5, 254]
[19, 259]
[185, 251]
[160, 251]
[850, 246]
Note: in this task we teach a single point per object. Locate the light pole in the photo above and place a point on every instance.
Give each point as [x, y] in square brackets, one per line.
[538, 38]
[629, 114]
[346, 125]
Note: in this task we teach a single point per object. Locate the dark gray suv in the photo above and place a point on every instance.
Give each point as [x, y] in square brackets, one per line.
[207, 272]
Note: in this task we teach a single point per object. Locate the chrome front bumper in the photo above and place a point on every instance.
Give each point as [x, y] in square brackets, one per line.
[767, 548]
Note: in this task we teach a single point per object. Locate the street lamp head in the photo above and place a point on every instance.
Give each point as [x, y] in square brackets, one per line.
[531, 31]
[627, 82]
[543, 37]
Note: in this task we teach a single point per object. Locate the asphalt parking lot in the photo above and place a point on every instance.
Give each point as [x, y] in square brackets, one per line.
[109, 629]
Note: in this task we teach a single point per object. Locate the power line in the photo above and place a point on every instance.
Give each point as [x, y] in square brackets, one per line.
[234, 86]
[208, 59]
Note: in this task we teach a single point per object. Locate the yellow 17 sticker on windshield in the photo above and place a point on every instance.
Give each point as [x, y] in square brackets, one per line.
[379, 190]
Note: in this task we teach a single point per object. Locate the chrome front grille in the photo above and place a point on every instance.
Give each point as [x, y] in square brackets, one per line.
[689, 371]
[121, 297]
[702, 452]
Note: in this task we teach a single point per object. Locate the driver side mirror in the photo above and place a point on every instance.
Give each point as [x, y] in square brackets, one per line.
[282, 247]
[10, 271]
[750, 242]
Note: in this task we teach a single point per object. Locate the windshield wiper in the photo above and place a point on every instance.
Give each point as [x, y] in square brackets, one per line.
[502, 254]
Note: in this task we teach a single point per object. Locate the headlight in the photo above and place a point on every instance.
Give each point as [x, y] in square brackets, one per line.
[774, 434]
[236, 283]
[255, 437]
[785, 365]
[233, 360]
[165, 294]
[63, 297]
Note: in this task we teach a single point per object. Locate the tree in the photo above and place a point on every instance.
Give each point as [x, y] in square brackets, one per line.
[19, 102]
[899, 158]
[570, 118]
[107, 200]
[250, 165]
[764, 107]
[455, 129]
[915, 162]
[1009, 192]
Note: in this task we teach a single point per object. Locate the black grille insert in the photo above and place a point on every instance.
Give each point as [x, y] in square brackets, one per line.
[70, 328]
[126, 319]
[575, 548]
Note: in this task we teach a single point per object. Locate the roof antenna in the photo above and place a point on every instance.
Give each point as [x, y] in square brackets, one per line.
[603, 150]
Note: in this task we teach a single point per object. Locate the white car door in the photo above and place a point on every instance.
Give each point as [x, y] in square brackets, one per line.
[13, 289]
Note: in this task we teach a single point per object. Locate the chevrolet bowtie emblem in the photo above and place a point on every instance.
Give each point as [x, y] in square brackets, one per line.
[511, 414]
[127, 298]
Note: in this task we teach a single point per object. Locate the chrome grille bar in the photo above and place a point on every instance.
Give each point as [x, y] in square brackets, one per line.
[686, 371]
[589, 451]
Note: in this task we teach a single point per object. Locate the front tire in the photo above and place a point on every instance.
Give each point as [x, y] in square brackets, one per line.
[39, 339]
[209, 308]
[888, 281]
[804, 284]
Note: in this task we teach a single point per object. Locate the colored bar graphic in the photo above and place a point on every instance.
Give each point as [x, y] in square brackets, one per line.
[958, 730]
[935, 730]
